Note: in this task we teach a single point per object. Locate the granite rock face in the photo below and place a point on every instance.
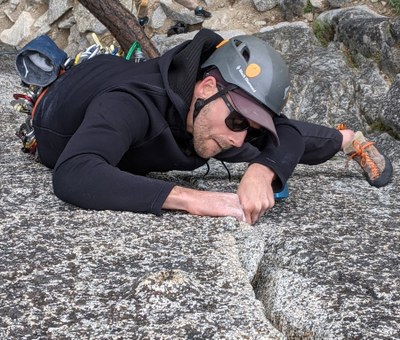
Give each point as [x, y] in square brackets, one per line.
[373, 37]
[323, 264]
[390, 113]
[72, 273]
[329, 273]
[323, 78]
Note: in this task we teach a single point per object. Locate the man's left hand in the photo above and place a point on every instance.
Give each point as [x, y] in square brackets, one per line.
[255, 191]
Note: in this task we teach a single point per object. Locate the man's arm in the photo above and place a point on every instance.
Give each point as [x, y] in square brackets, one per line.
[86, 174]
[269, 171]
[204, 203]
[89, 182]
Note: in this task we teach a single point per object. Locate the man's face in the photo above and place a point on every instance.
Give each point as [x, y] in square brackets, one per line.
[211, 135]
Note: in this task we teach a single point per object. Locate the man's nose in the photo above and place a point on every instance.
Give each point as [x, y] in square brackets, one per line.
[237, 138]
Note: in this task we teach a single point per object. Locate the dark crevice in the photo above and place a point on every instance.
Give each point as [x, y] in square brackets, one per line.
[264, 291]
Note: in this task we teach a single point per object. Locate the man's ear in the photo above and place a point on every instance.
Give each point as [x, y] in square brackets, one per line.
[206, 87]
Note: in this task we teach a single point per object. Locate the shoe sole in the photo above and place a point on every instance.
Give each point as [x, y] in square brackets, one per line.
[386, 175]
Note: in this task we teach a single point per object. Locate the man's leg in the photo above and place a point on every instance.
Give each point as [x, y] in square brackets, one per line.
[322, 143]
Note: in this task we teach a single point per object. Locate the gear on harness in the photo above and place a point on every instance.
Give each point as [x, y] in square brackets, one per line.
[138, 54]
[39, 64]
[24, 103]
[27, 136]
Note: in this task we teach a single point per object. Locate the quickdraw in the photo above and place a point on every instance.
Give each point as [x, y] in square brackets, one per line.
[24, 103]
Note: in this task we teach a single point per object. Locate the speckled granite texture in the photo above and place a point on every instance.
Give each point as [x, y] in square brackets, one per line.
[324, 264]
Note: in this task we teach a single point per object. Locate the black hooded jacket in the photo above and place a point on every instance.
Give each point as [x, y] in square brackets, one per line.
[118, 121]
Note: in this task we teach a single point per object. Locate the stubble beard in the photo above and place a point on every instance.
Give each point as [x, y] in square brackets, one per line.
[200, 145]
[204, 143]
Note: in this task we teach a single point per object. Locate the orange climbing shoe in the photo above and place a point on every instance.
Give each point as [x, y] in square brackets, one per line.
[376, 166]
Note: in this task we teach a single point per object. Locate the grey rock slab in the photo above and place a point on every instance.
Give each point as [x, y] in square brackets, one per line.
[72, 273]
[220, 21]
[330, 269]
[338, 3]
[21, 29]
[390, 112]
[158, 18]
[319, 4]
[164, 43]
[323, 263]
[322, 83]
[57, 8]
[370, 90]
[357, 11]
[328, 88]
[292, 8]
[87, 22]
[365, 32]
[176, 12]
[265, 5]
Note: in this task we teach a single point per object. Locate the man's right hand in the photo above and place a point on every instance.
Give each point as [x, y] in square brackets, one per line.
[205, 203]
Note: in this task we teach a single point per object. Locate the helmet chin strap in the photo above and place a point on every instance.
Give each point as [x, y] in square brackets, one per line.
[200, 103]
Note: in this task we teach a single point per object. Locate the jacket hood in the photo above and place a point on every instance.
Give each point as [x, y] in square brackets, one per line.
[180, 68]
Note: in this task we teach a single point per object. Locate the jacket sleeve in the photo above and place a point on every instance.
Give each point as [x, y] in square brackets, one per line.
[284, 158]
[86, 173]
[281, 159]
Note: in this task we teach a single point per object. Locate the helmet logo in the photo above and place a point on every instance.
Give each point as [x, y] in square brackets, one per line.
[253, 70]
[246, 78]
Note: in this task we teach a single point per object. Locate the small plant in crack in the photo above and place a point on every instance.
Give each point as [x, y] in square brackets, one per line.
[324, 32]
[379, 127]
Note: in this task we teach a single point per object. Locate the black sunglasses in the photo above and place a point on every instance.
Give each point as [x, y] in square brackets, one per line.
[237, 122]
